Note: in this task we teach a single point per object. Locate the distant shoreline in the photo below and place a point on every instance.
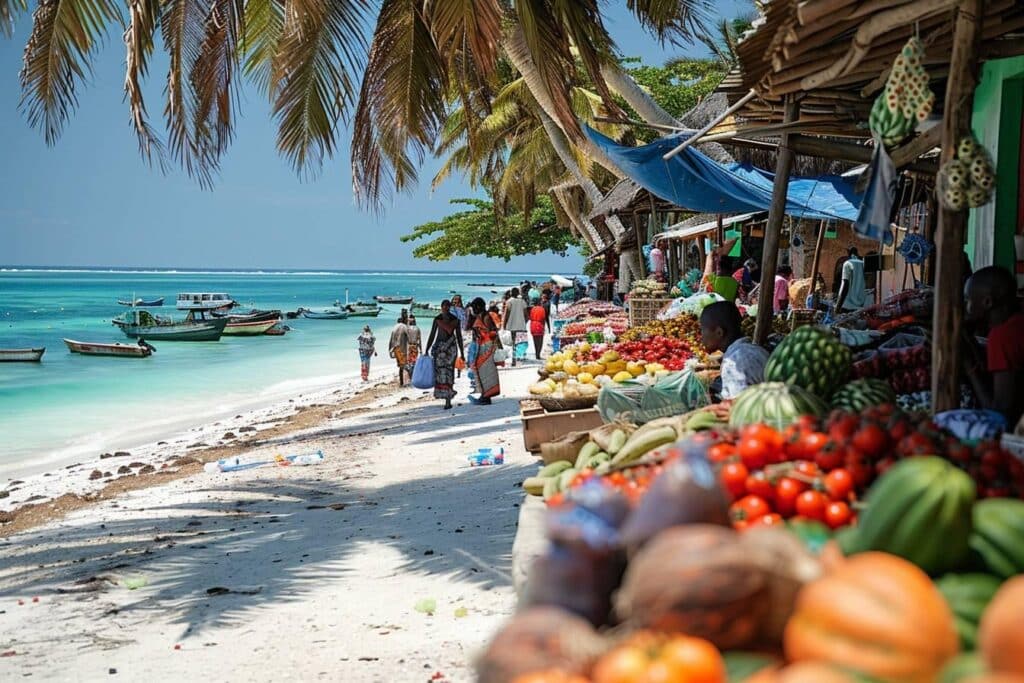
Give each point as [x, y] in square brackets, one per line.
[171, 270]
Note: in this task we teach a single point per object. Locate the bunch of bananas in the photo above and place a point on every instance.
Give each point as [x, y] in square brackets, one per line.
[906, 99]
[967, 179]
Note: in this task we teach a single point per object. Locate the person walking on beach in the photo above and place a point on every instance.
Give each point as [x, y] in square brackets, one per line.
[460, 312]
[415, 339]
[514, 321]
[366, 351]
[556, 295]
[485, 336]
[445, 345]
[398, 346]
[538, 320]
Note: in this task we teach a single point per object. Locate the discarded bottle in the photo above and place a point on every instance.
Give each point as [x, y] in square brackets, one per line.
[487, 456]
[223, 465]
[307, 458]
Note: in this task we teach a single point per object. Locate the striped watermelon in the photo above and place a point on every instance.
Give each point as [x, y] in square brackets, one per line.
[863, 393]
[812, 358]
[774, 403]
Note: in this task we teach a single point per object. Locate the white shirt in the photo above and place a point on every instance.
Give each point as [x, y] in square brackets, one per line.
[742, 366]
[853, 273]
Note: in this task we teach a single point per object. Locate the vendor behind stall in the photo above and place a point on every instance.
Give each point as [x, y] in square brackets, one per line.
[991, 302]
[743, 361]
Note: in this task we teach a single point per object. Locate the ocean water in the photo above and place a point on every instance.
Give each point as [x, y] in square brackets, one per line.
[71, 405]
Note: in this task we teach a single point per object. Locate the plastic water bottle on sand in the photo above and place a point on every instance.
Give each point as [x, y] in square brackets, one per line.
[487, 456]
[307, 458]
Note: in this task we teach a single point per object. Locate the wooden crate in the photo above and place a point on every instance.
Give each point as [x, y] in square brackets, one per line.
[645, 310]
[540, 426]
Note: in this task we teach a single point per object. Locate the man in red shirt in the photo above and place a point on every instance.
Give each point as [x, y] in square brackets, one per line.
[991, 298]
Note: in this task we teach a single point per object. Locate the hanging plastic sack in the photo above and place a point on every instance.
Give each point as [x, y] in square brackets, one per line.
[506, 337]
[423, 373]
[620, 399]
[674, 394]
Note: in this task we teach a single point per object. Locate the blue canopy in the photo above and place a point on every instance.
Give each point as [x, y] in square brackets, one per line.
[694, 181]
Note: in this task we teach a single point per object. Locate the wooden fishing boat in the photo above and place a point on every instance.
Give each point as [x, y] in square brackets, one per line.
[142, 302]
[424, 307]
[204, 301]
[250, 323]
[137, 323]
[140, 350]
[278, 331]
[393, 299]
[361, 310]
[21, 355]
[324, 314]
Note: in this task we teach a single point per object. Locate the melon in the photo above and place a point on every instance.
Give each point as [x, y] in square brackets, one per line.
[774, 403]
[860, 394]
[811, 358]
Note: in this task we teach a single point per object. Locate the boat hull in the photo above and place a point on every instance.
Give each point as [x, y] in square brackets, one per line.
[249, 328]
[393, 299]
[142, 302]
[325, 315]
[117, 350]
[21, 355]
[205, 330]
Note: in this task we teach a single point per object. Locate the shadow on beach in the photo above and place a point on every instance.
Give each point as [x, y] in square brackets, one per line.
[269, 540]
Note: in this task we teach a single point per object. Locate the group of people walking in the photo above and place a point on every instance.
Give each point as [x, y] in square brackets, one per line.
[466, 338]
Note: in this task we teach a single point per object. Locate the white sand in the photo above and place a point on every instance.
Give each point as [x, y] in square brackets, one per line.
[321, 593]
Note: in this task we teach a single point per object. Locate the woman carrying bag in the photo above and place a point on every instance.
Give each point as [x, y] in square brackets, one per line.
[485, 334]
[445, 346]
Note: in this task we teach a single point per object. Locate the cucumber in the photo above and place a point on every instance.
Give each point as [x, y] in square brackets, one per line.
[534, 485]
[550, 487]
[554, 469]
[565, 478]
[618, 440]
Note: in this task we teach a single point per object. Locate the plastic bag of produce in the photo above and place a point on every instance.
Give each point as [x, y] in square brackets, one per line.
[620, 398]
[674, 394]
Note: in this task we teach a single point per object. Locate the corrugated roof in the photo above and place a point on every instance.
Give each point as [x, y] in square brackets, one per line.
[698, 225]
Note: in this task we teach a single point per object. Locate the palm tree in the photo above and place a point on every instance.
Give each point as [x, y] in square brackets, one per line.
[311, 59]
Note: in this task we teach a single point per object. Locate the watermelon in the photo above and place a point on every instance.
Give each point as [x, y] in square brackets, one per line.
[811, 358]
[863, 393]
[998, 535]
[968, 595]
[775, 404]
[920, 509]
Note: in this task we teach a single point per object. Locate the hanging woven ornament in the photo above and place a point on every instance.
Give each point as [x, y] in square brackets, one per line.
[906, 99]
[915, 249]
[966, 180]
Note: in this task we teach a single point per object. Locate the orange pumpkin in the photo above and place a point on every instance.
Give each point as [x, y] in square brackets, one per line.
[1001, 632]
[994, 678]
[803, 672]
[877, 614]
[654, 658]
[550, 676]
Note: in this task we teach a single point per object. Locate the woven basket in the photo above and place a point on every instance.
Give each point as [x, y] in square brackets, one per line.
[565, 448]
[557, 405]
[643, 311]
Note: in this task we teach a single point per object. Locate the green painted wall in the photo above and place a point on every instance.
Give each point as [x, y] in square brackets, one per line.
[996, 121]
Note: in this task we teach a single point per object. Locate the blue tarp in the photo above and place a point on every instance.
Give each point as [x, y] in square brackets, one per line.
[694, 181]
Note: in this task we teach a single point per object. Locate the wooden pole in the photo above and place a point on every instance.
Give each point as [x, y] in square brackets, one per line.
[814, 263]
[949, 243]
[777, 211]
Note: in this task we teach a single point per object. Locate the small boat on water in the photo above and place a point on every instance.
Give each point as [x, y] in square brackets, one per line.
[424, 307]
[359, 309]
[137, 323]
[249, 323]
[393, 299]
[324, 314]
[278, 331]
[140, 350]
[204, 301]
[142, 302]
[21, 355]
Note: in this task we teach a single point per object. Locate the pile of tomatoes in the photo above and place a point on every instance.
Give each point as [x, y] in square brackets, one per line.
[670, 352]
[631, 482]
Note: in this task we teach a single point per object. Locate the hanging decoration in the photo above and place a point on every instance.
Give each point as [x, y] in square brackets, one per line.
[967, 180]
[906, 99]
[915, 249]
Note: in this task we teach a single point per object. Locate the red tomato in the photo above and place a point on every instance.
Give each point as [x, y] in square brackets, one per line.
[807, 468]
[757, 484]
[830, 457]
[859, 468]
[842, 428]
[837, 514]
[811, 504]
[749, 508]
[839, 484]
[734, 477]
[786, 492]
[870, 440]
[754, 452]
[721, 452]
[771, 519]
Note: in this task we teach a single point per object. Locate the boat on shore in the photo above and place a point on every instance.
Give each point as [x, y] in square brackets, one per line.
[324, 314]
[424, 307]
[361, 310]
[277, 331]
[137, 323]
[393, 299]
[204, 301]
[140, 350]
[21, 355]
[142, 302]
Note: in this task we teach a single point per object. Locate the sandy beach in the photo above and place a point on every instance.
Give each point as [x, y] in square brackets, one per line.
[390, 561]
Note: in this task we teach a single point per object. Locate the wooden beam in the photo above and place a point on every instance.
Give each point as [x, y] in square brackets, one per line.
[949, 243]
[770, 255]
[814, 263]
[714, 122]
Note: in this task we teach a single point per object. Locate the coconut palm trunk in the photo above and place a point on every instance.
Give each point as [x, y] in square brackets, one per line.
[623, 85]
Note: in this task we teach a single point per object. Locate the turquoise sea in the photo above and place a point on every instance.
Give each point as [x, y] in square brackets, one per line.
[71, 405]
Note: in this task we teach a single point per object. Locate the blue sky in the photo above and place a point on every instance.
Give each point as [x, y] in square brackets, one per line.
[91, 200]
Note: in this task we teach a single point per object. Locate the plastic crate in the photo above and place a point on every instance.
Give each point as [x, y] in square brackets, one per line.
[642, 311]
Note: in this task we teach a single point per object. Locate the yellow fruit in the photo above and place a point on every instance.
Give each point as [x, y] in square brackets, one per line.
[584, 347]
[550, 366]
[584, 378]
[612, 355]
[615, 367]
[653, 368]
[634, 369]
[622, 376]
[540, 389]
[571, 367]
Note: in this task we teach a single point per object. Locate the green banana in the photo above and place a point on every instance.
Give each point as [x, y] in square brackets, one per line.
[534, 485]
[550, 487]
[618, 440]
[565, 478]
[554, 469]
[648, 441]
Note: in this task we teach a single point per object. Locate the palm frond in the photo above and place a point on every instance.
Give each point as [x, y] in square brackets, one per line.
[143, 16]
[471, 24]
[64, 35]
[9, 11]
[320, 48]
[212, 74]
[541, 48]
[673, 20]
[183, 25]
[264, 24]
[401, 103]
